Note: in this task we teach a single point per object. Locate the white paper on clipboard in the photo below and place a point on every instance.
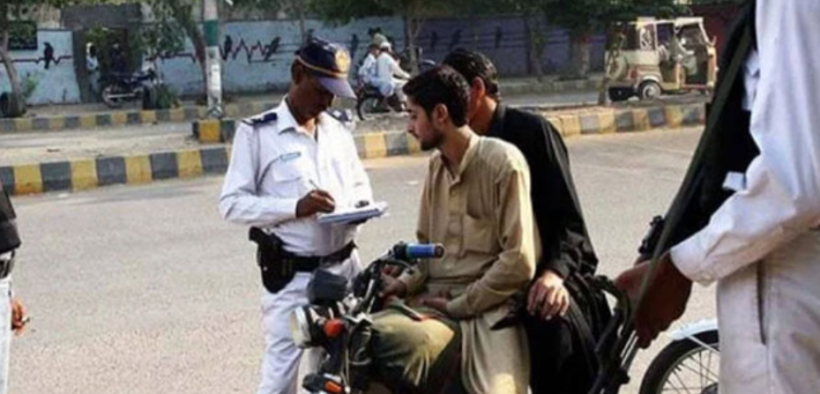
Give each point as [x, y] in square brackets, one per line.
[348, 215]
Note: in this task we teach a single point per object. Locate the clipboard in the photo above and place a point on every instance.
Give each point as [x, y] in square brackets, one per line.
[349, 215]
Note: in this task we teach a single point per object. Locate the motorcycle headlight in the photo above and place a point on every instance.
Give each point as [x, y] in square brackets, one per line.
[313, 325]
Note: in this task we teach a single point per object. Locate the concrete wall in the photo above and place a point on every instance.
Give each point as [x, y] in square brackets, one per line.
[257, 54]
[504, 40]
[51, 67]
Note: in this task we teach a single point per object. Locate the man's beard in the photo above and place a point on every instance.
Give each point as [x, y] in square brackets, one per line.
[433, 142]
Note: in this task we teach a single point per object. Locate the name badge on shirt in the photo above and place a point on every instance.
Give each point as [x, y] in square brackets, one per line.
[286, 157]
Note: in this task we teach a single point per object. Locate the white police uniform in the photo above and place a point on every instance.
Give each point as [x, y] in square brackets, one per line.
[274, 163]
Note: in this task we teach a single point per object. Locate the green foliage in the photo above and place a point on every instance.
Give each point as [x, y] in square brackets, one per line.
[29, 86]
[164, 38]
[717, 1]
[22, 35]
[578, 16]
[343, 11]
[166, 97]
[172, 17]
[274, 6]
[103, 39]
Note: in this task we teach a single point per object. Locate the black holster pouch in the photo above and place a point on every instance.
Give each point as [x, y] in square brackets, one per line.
[9, 238]
[276, 271]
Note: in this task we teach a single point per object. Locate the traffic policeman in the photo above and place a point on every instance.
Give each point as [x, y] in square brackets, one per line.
[288, 165]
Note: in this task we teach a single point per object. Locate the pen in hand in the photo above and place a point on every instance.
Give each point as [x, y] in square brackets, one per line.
[315, 201]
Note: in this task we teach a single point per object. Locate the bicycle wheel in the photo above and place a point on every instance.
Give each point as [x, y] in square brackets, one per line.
[684, 366]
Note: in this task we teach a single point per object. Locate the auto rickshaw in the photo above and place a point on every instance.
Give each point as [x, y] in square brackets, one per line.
[653, 57]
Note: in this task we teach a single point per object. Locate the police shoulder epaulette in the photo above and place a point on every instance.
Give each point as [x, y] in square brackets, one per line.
[260, 119]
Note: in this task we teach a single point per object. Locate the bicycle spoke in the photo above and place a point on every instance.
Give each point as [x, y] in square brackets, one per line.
[694, 370]
[680, 380]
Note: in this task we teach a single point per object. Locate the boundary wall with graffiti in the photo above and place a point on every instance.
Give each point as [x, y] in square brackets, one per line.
[257, 54]
[504, 40]
[48, 72]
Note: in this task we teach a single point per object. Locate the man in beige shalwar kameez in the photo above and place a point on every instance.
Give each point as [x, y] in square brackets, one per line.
[476, 203]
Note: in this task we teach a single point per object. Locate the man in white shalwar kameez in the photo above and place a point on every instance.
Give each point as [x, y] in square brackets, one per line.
[762, 244]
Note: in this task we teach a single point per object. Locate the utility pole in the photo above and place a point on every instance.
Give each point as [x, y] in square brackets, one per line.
[210, 15]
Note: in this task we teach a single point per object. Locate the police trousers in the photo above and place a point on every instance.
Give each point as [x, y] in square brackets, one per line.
[283, 367]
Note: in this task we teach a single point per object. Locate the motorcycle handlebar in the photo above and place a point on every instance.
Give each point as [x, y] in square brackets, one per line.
[413, 251]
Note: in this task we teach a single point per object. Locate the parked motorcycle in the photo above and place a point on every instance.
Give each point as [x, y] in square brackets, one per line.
[121, 87]
[689, 364]
[338, 320]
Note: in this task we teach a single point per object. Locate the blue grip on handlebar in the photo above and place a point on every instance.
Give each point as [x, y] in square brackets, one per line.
[413, 251]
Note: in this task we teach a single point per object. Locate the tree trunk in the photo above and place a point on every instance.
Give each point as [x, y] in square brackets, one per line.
[579, 55]
[536, 47]
[201, 54]
[183, 16]
[527, 43]
[16, 106]
[613, 46]
[412, 26]
[301, 11]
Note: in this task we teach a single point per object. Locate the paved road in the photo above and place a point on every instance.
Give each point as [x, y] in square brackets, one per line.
[142, 290]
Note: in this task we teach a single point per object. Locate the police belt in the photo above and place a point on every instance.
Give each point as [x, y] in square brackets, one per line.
[6, 265]
[311, 263]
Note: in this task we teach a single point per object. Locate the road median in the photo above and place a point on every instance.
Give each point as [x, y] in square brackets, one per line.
[213, 158]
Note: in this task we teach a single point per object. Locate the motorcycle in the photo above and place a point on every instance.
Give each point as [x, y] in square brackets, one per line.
[370, 101]
[337, 319]
[121, 87]
[689, 364]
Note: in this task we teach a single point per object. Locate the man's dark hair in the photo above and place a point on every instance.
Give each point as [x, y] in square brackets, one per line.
[472, 65]
[441, 85]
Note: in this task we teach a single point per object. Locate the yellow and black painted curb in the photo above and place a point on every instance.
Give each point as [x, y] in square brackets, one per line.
[393, 143]
[86, 174]
[193, 113]
[126, 118]
[601, 121]
[214, 130]
[140, 169]
[627, 120]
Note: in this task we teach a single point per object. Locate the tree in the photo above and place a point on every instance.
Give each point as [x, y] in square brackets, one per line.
[15, 105]
[530, 12]
[299, 8]
[12, 10]
[171, 16]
